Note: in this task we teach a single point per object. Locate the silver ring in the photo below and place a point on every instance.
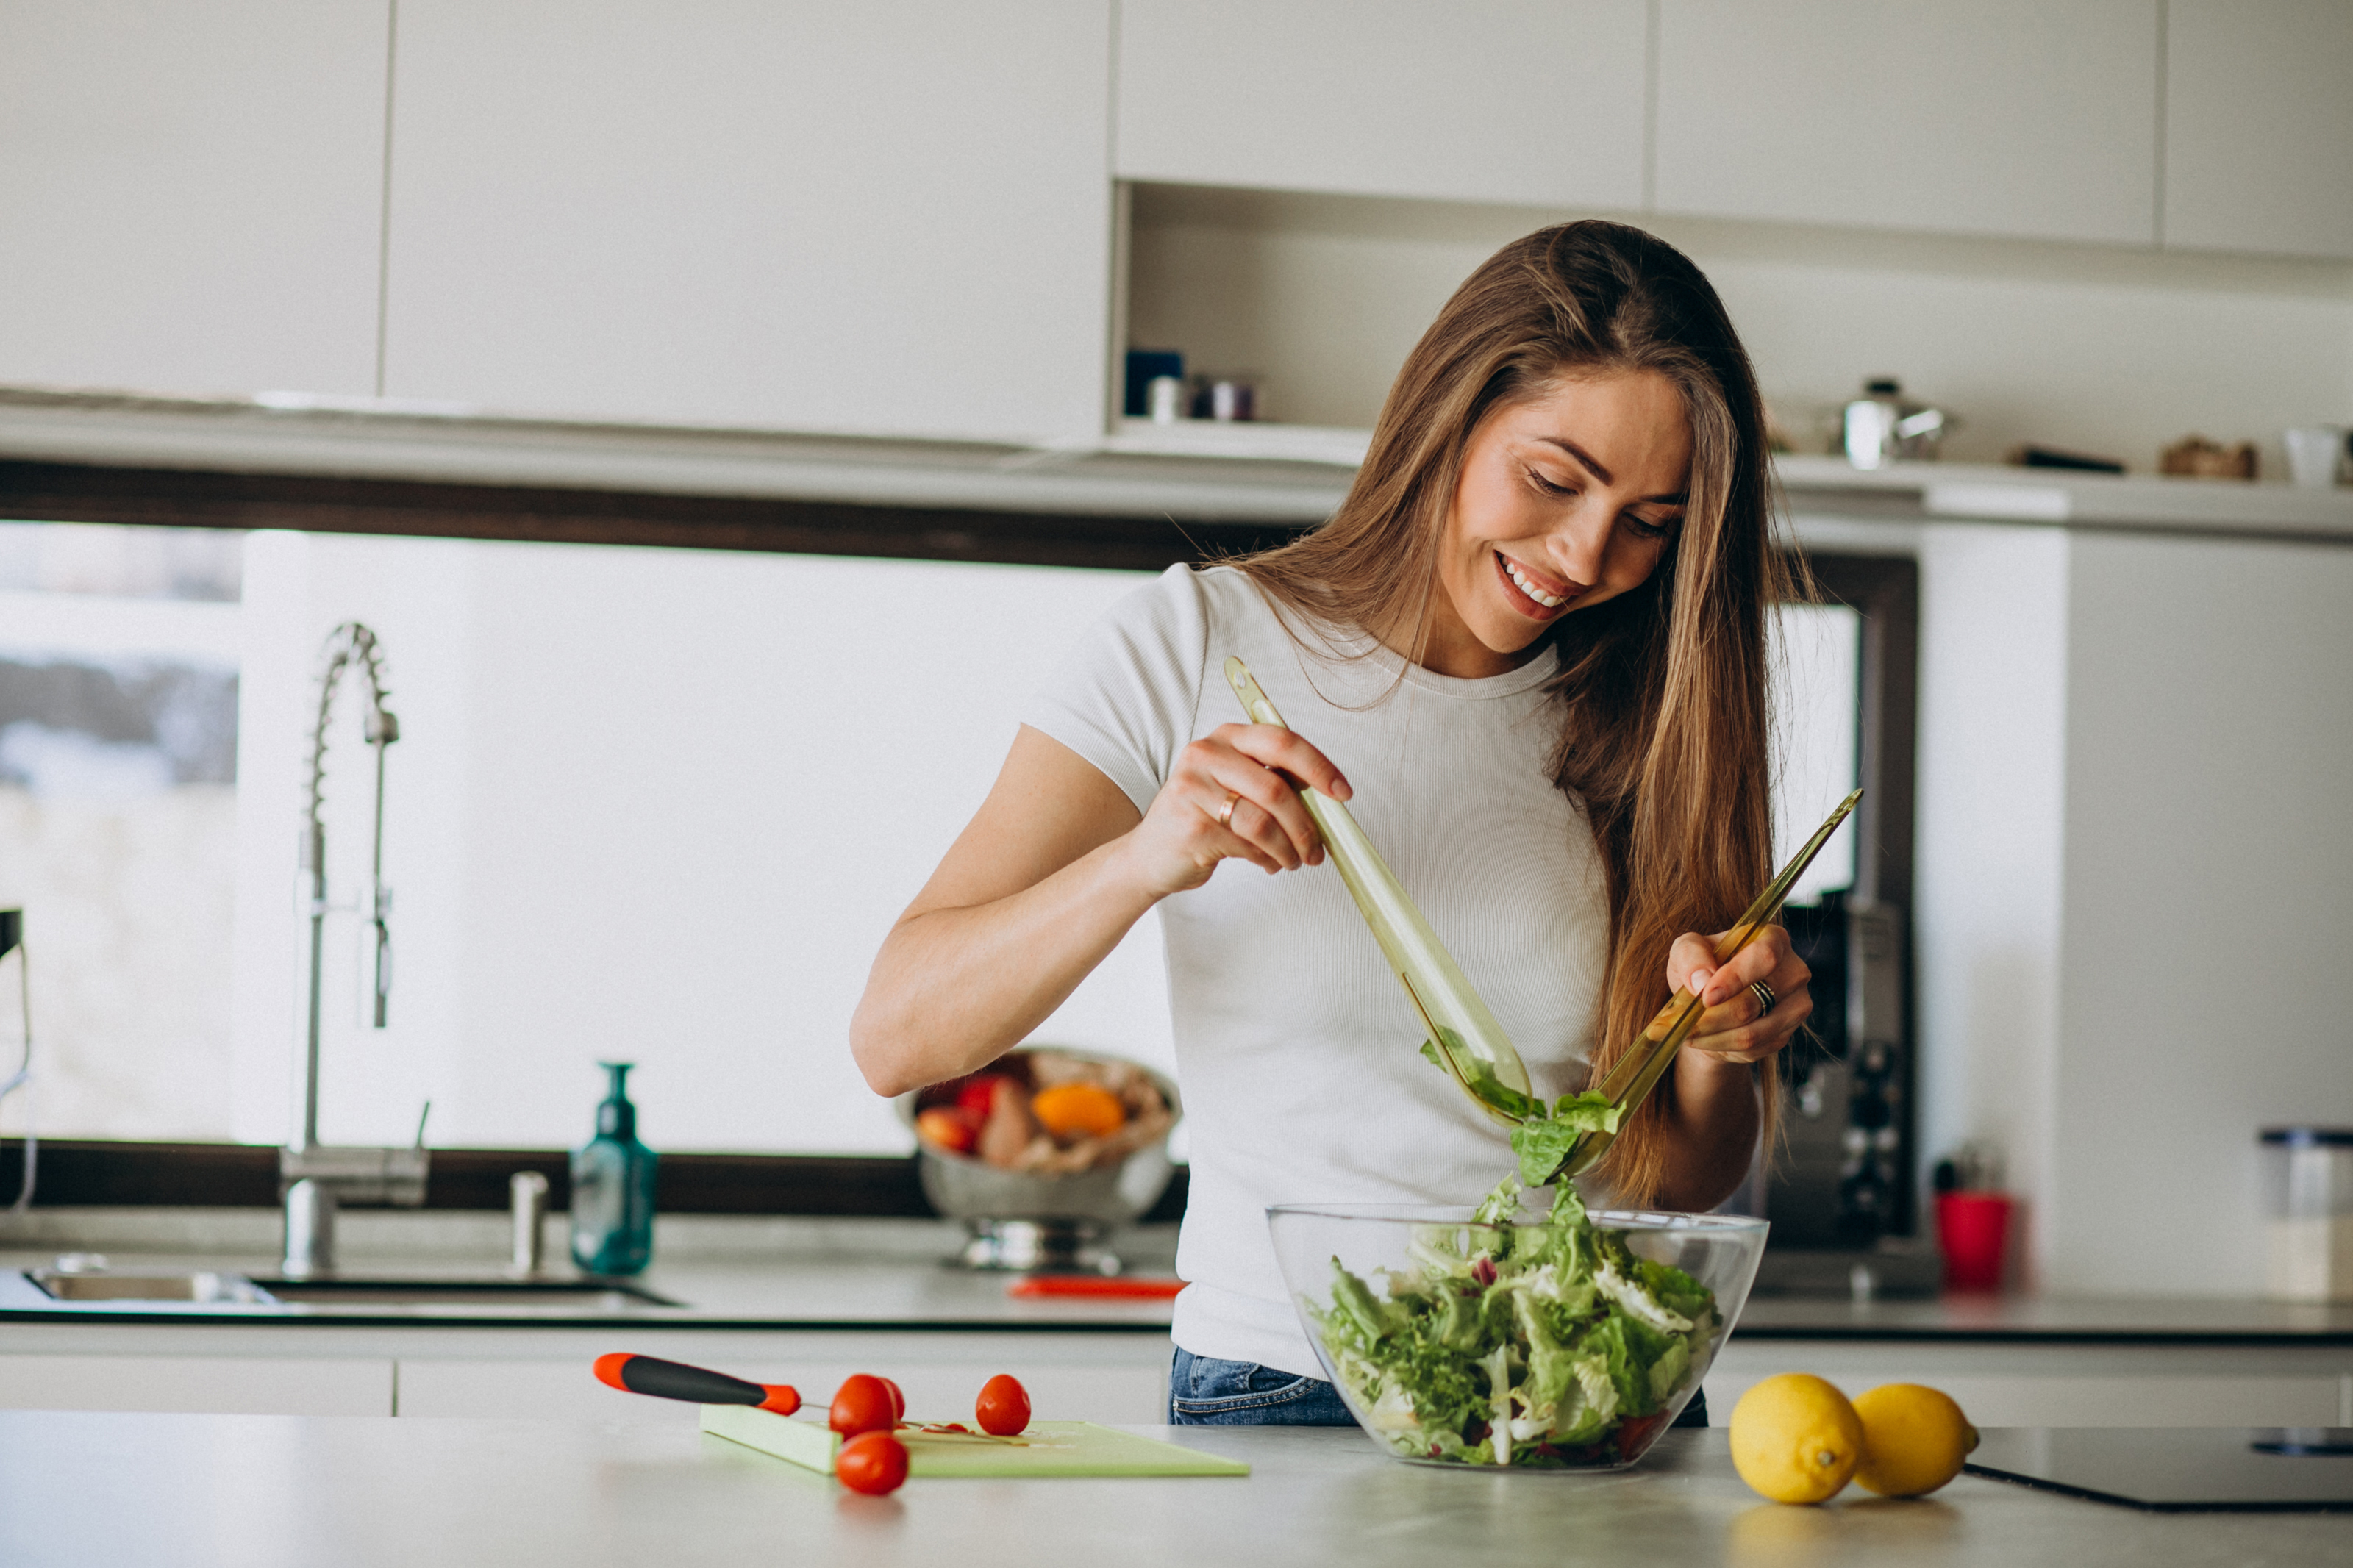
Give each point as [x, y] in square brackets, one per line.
[1764, 994]
[1226, 813]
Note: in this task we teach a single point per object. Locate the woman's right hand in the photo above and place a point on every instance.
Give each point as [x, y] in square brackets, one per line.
[1190, 827]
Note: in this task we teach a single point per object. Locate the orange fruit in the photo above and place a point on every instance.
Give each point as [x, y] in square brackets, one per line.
[1075, 1110]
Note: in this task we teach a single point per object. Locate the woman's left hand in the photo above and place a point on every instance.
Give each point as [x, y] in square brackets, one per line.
[1736, 1027]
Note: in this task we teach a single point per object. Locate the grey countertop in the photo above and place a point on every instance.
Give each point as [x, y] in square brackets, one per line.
[779, 1274]
[259, 1490]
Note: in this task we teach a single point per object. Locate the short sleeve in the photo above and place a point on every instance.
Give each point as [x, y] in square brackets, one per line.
[1127, 695]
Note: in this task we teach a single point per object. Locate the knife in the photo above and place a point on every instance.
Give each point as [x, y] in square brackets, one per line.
[697, 1385]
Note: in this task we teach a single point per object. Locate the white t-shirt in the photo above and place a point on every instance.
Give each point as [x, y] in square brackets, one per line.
[1297, 1050]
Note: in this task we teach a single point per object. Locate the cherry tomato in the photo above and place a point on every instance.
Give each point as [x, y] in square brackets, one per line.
[873, 1463]
[1003, 1409]
[898, 1400]
[861, 1405]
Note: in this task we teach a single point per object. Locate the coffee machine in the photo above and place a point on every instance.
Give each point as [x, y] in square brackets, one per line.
[1839, 1189]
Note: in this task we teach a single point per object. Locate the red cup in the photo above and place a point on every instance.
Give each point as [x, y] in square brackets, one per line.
[1975, 1231]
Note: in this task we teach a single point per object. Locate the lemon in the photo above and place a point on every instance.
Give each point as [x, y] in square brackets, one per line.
[1914, 1439]
[1795, 1438]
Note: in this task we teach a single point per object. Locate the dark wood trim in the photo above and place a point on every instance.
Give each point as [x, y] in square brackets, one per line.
[1887, 590]
[72, 492]
[103, 1175]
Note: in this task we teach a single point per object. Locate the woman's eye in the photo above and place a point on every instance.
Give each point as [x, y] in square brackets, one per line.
[1647, 528]
[1547, 487]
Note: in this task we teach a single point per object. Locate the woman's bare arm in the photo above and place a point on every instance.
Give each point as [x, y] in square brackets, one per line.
[1052, 872]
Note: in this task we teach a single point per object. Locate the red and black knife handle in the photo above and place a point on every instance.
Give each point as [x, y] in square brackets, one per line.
[695, 1385]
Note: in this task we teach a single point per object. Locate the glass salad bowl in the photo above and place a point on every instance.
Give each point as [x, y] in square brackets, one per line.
[1566, 1341]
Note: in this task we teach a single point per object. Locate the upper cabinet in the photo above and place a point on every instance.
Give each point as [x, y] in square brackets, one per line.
[1532, 101]
[885, 219]
[2002, 117]
[191, 194]
[2259, 126]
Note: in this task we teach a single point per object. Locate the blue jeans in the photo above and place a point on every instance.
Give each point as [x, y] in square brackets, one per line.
[1205, 1392]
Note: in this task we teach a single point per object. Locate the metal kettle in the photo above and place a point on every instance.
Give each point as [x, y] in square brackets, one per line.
[1882, 427]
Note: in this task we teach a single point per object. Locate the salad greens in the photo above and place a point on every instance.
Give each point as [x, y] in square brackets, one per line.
[1547, 1131]
[1513, 1343]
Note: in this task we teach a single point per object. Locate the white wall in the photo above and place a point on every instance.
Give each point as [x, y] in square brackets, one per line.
[2094, 348]
[662, 806]
[653, 804]
[1991, 825]
[2208, 899]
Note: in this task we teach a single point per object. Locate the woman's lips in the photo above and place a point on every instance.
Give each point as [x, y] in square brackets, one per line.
[1522, 590]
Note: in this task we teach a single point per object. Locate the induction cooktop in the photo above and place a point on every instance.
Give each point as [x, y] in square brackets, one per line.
[2177, 1468]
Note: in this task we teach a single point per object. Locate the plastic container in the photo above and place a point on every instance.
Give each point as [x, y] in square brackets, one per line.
[2308, 1209]
[1390, 1251]
[613, 1187]
[1973, 1229]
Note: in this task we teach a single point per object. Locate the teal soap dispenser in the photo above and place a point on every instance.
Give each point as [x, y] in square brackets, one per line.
[613, 1187]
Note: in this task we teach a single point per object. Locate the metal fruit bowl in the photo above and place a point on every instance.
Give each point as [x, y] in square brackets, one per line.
[1026, 1221]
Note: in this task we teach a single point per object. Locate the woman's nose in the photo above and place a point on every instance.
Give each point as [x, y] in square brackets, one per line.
[1578, 552]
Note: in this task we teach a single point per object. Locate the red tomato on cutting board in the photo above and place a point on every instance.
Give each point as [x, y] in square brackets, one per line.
[1003, 1408]
[863, 1404]
[873, 1462]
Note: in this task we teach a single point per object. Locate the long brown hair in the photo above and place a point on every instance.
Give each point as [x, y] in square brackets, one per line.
[1661, 689]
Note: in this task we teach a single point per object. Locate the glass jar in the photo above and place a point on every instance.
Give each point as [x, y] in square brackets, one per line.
[2308, 1206]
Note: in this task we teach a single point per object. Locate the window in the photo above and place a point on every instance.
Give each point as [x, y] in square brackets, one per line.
[118, 656]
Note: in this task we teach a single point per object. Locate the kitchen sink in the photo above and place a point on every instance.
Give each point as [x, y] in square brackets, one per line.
[201, 1286]
[208, 1287]
[463, 1292]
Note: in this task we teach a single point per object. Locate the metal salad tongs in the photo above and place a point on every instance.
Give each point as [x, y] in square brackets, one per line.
[1470, 1043]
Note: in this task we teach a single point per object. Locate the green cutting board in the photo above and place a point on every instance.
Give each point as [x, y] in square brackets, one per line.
[1047, 1449]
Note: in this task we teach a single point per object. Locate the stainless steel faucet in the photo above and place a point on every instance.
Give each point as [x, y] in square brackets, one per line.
[316, 1179]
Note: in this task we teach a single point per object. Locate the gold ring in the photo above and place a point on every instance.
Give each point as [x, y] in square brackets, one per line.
[1764, 994]
[1226, 813]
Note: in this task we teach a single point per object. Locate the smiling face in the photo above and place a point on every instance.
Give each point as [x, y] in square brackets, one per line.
[1566, 499]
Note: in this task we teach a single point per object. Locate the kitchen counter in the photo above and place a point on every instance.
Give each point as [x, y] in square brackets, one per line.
[264, 1491]
[887, 1274]
[808, 1301]
[813, 1292]
[2051, 1320]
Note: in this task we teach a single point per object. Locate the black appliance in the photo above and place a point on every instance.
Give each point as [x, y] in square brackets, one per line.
[1840, 1184]
[2177, 1468]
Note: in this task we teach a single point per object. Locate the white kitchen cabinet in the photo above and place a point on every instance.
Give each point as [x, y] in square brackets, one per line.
[2259, 126]
[1497, 100]
[191, 193]
[1998, 117]
[199, 1384]
[892, 219]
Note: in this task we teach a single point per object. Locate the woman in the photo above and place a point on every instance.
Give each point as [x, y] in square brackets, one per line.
[1532, 639]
